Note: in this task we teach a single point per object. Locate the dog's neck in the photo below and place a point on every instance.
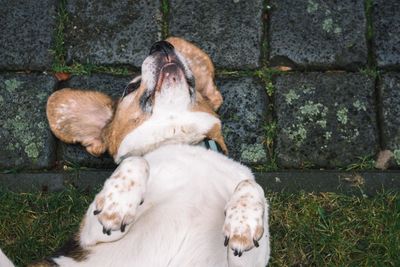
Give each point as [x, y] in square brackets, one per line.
[176, 128]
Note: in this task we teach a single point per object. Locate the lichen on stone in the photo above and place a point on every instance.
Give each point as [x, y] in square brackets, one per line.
[327, 25]
[342, 115]
[328, 135]
[291, 96]
[32, 151]
[21, 130]
[359, 106]
[313, 109]
[252, 153]
[312, 6]
[12, 84]
[297, 133]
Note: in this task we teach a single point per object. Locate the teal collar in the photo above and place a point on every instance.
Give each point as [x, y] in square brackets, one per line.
[207, 143]
[211, 144]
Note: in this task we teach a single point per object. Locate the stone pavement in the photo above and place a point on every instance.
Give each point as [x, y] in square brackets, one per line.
[308, 85]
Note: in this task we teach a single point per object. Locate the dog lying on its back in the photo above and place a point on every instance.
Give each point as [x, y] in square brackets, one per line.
[169, 202]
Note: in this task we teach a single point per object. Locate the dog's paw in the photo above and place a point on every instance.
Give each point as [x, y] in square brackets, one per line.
[244, 219]
[117, 203]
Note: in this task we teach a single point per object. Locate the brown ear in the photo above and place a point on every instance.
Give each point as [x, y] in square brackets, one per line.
[202, 68]
[77, 116]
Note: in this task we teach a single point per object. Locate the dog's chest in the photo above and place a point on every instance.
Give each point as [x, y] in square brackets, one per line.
[160, 129]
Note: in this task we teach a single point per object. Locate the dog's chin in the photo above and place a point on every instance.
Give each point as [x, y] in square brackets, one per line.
[171, 76]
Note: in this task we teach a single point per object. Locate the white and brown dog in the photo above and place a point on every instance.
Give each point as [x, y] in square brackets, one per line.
[170, 202]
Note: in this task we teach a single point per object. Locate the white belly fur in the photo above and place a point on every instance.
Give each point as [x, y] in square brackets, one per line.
[181, 221]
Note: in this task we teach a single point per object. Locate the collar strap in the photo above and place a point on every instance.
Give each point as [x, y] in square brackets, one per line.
[211, 144]
[207, 143]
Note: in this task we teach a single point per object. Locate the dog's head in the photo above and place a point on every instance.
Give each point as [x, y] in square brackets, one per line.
[173, 101]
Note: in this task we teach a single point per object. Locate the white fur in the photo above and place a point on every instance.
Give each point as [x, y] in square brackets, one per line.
[4, 261]
[122, 193]
[181, 220]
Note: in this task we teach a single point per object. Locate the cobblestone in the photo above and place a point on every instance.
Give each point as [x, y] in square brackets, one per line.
[318, 34]
[387, 32]
[229, 31]
[325, 120]
[26, 34]
[390, 93]
[111, 32]
[243, 117]
[25, 138]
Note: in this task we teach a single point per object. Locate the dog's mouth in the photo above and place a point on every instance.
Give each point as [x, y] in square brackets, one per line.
[165, 69]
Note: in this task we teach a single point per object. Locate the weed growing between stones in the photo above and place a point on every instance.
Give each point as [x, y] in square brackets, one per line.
[364, 163]
[165, 14]
[266, 75]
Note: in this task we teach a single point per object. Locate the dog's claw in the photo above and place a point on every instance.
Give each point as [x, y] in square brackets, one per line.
[226, 241]
[123, 227]
[141, 202]
[105, 231]
[96, 212]
[237, 253]
[256, 243]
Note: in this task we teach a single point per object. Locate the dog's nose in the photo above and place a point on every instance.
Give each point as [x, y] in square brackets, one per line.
[162, 46]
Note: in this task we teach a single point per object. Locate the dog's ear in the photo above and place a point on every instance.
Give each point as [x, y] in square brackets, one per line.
[78, 116]
[202, 68]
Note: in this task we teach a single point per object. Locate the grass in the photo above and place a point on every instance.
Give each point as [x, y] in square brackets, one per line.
[306, 229]
[363, 163]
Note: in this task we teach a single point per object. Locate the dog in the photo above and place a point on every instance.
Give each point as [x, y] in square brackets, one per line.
[170, 202]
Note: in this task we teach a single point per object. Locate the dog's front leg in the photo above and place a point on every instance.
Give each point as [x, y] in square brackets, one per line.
[114, 208]
[246, 220]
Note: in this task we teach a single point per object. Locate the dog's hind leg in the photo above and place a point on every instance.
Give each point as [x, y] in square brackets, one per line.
[246, 226]
[114, 209]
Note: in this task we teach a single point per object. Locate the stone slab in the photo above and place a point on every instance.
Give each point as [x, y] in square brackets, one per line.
[325, 120]
[243, 114]
[229, 31]
[35, 181]
[25, 138]
[363, 183]
[386, 29]
[26, 34]
[111, 32]
[360, 183]
[390, 95]
[108, 84]
[318, 34]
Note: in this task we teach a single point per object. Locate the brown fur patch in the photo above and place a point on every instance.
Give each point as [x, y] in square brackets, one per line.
[202, 68]
[258, 233]
[80, 116]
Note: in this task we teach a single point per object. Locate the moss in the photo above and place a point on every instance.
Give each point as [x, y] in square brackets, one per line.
[342, 115]
[12, 84]
[396, 154]
[1, 100]
[253, 153]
